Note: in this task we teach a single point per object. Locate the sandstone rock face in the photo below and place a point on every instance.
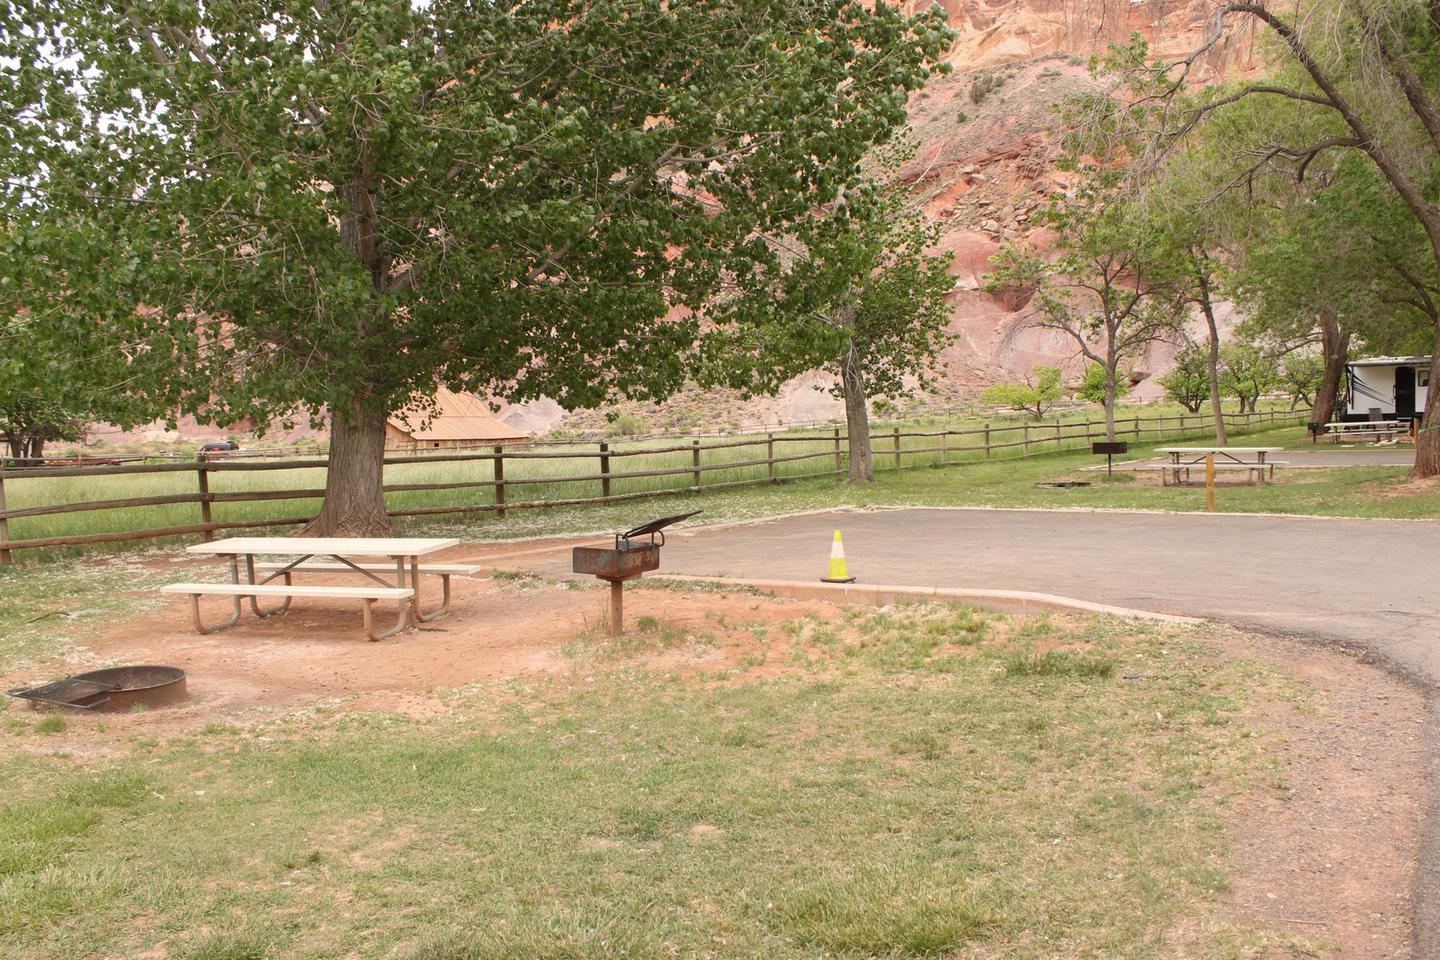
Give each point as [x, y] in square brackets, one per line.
[988, 145]
[995, 32]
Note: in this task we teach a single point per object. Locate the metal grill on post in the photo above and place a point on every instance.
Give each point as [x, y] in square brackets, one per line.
[1110, 448]
[628, 559]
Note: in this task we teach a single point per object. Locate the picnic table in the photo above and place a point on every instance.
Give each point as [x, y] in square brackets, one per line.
[400, 560]
[1250, 459]
[1340, 431]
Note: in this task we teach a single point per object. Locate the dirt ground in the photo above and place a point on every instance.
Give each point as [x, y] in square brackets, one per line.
[1333, 852]
[1330, 853]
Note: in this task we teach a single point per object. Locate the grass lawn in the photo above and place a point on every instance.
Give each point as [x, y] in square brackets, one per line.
[920, 782]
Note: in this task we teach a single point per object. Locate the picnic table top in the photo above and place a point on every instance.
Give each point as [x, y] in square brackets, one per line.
[329, 546]
[1365, 424]
[1218, 449]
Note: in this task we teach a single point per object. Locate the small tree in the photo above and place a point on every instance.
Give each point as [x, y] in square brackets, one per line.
[1247, 374]
[1301, 374]
[862, 300]
[1038, 392]
[1111, 289]
[1188, 382]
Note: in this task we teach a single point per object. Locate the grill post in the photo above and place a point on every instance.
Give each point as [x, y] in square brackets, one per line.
[617, 607]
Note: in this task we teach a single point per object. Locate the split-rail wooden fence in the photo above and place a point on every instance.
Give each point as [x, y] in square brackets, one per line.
[782, 452]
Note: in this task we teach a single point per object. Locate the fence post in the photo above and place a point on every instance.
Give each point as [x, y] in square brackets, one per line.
[838, 467]
[895, 432]
[944, 446]
[1059, 442]
[205, 517]
[499, 481]
[1025, 444]
[4, 524]
[604, 469]
[695, 463]
[770, 456]
[987, 441]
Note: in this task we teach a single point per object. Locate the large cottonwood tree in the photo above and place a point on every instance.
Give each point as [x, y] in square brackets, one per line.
[281, 208]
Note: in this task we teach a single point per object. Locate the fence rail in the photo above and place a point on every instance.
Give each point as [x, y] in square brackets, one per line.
[689, 464]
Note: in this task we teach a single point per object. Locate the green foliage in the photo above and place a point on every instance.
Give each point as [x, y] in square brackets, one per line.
[1301, 374]
[626, 425]
[297, 208]
[1036, 395]
[1188, 382]
[29, 420]
[1092, 388]
[1247, 372]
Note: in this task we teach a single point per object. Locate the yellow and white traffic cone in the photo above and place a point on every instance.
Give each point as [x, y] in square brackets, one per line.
[838, 572]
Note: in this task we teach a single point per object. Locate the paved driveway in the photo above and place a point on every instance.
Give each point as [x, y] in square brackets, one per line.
[1370, 582]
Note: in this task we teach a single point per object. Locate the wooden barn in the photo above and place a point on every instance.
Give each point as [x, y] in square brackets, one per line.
[458, 420]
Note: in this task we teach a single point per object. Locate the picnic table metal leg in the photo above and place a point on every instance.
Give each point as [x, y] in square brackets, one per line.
[263, 612]
[200, 624]
[402, 620]
[425, 616]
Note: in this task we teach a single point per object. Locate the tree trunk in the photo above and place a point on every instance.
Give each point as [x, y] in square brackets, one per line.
[37, 446]
[354, 503]
[1212, 363]
[1427, 445]
[1110, 402]
[1334, 352]
[857, 423]
[17, 445]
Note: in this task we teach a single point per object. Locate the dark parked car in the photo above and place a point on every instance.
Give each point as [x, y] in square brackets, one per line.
[212, 447]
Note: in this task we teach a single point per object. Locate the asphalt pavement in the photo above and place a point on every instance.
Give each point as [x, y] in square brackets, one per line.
[1371, 583]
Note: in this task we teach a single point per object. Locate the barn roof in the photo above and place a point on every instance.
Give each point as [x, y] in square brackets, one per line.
[457, 417]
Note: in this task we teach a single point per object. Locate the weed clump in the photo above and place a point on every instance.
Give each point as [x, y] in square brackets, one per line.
[1056, 663]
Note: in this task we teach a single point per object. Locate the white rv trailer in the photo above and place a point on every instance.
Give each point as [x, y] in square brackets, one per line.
[1392, 388]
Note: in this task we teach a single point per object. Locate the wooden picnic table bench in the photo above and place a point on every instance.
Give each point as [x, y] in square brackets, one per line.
[403, 555]
[366, 595]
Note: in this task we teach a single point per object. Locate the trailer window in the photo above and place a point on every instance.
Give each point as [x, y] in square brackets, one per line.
[1422, 378]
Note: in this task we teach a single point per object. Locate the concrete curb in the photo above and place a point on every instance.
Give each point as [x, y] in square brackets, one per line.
[1011, 601]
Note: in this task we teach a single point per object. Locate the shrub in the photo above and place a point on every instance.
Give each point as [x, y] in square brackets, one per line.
[1036, 395]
